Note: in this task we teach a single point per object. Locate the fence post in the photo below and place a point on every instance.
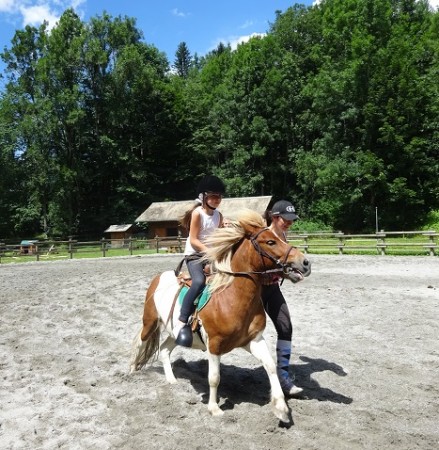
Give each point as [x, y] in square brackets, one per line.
[130, 245]
[71, 247]
[157, 243]
[103, 247]
[431, 243]
[305, 247]
[340, 242]
[381, 242]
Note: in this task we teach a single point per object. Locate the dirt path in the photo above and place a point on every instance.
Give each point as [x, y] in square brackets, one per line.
[366, 352]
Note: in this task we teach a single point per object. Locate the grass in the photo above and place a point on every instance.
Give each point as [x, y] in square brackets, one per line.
[83, 252]
[408, 244]
[416, 245]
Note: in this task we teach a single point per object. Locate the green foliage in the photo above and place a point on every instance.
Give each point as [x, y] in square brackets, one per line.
[309, 226]
[334, 108]
[183, 60]
[432, 221]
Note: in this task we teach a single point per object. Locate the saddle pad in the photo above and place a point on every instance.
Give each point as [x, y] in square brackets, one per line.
[200, 301]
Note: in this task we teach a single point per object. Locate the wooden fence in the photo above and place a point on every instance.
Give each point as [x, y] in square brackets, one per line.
[381, 243]
[45, 249]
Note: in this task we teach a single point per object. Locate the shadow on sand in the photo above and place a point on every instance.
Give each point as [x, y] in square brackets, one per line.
[243, 385]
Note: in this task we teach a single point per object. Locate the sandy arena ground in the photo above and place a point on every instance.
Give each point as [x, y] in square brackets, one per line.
[366, 352]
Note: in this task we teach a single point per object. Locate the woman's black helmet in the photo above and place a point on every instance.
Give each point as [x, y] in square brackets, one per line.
[211, 183]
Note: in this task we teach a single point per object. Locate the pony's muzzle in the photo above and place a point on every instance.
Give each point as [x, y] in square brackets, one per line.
[296, 274]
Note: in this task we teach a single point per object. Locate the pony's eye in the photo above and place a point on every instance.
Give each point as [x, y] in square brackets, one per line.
[271, 242]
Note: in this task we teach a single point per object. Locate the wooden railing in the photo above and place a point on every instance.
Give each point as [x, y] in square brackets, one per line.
[381, 243]
[47, 249]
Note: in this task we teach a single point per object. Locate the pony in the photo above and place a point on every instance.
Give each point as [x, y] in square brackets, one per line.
[240, 256]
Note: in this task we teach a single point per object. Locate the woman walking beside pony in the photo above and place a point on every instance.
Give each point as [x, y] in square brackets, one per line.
[282, 216]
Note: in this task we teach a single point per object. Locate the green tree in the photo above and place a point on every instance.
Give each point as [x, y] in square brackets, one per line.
[183, 60]
[366, 137]
[10, 174]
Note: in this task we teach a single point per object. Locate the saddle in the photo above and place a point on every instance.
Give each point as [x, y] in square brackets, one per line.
[184, 278]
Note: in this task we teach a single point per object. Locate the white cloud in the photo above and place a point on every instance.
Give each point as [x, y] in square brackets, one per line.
[75, 4]
[7, 6]
[246, 24]
[234, 41]
[35, 12]
[178, 13]
[36, 15]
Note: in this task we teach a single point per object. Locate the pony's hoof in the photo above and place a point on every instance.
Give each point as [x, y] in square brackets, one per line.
[185, 337]
[216, 411]
[284, 418]
[281, 411]
[135, 368]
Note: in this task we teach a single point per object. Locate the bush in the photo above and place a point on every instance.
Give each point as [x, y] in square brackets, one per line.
[432, 222]
[305, 226]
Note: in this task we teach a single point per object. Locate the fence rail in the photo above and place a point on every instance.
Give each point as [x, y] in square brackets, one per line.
[381, 243]
[46, 249]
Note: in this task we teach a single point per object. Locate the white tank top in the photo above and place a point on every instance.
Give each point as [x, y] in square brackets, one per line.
[207, 226]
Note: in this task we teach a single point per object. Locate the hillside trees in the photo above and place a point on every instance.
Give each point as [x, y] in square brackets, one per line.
[42, 101]
[10, 174]
[335, 108]
[369, 149]
[93, 115]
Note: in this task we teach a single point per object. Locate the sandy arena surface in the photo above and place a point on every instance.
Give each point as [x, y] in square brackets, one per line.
[366, 352]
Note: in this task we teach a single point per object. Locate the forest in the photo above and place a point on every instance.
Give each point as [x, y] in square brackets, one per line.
[336, 108]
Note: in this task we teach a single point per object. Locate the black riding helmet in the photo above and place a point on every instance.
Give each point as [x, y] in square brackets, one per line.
[211, 183]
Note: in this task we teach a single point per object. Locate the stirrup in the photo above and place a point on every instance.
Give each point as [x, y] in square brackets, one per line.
[185, 336]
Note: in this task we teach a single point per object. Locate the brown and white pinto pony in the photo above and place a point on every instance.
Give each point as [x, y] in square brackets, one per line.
[234, 317]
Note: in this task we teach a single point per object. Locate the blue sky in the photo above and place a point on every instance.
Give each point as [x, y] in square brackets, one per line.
[202, 24]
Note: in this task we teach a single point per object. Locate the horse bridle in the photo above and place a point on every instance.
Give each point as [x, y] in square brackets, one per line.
[262, 253]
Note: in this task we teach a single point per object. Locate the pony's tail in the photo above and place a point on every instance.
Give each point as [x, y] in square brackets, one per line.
[146, 344]
[145, 351]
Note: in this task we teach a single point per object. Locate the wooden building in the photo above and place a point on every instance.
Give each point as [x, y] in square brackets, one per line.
[28, 247]
[120, 234]
[163, 217]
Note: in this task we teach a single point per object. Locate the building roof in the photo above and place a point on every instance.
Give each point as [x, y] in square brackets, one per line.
[174, 211]
[28, 242]
[118, 228]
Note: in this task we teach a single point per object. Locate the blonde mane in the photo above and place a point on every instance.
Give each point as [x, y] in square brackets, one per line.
[222, 244]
